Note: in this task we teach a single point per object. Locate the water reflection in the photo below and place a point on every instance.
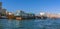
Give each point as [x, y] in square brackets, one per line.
[29, 24]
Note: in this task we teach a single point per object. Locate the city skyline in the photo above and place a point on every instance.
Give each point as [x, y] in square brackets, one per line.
[34, 6]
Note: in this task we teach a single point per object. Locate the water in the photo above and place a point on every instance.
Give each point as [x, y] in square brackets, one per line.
[30, 24]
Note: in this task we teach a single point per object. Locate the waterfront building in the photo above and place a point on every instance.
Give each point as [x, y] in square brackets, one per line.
[3, 12]
[21, 14]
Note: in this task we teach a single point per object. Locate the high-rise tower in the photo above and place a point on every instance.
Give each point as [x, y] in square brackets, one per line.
[0, 7]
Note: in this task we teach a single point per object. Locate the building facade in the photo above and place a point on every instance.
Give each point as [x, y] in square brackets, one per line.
[3, 11]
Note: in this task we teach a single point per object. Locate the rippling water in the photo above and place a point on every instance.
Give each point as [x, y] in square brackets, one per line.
[30, 24]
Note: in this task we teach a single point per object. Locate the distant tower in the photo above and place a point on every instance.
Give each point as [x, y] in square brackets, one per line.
[0, 7]
[0, 4]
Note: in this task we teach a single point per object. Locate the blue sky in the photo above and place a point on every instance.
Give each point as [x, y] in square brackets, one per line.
[34, 6]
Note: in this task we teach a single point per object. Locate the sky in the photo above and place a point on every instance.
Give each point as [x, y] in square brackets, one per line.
[33, 6]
